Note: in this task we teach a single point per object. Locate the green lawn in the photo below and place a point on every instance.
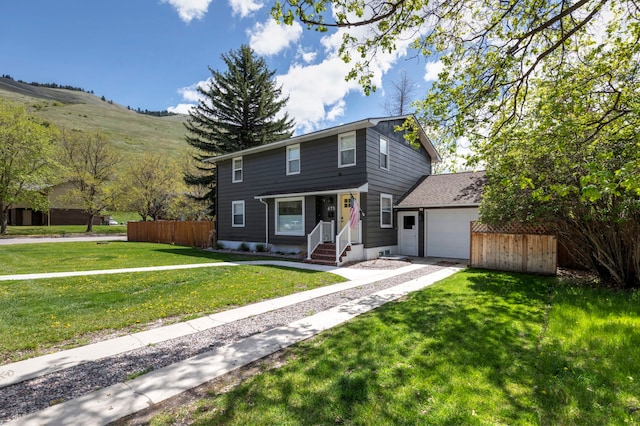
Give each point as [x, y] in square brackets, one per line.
[21, 231]
[37, 314]
[479, 348]
[84, 256]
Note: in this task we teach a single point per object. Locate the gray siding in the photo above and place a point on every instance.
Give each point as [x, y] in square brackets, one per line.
[265, 173]
[406, 166]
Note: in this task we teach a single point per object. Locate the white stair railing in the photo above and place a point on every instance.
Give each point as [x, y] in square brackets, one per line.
[323, 232]
[343, 240]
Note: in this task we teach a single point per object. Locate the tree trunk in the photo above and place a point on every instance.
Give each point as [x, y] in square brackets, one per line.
[90, 224]
[4, 217]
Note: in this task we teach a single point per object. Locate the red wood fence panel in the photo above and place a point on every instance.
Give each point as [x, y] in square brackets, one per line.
[185, 233]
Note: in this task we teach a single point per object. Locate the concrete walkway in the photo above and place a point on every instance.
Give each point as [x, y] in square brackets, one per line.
[119, 400]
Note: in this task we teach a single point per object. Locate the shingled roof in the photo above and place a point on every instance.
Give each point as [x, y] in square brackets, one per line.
[446, 190]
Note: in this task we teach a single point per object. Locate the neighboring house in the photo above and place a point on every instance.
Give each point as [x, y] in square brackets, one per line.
[296, 194]
[59, 212]
[434, 218]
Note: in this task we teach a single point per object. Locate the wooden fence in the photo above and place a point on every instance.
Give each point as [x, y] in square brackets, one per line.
[192, 234]
[519, 249]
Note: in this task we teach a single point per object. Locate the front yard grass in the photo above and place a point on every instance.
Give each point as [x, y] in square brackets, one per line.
[478, 348]
[36, 315]
[64, 230]
[84, 256]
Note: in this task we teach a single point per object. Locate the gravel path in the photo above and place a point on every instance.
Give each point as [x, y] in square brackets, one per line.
[36, 394]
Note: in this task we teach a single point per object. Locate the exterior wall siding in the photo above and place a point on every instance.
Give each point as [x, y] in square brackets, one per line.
[406, 166]
[265, 173]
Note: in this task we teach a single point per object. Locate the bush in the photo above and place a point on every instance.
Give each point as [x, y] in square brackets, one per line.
[219, 245]
[261, 248]
[244, 247]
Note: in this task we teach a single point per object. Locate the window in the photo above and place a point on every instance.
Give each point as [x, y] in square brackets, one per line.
[386, 211]
[237, 209]
[237, 169]
[384, 154]
[290, 216]
[293, 159]
[347, 150]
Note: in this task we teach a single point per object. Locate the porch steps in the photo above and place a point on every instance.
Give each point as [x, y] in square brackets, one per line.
[325, 254]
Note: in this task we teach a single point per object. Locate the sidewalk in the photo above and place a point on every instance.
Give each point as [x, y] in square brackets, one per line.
[116, 401]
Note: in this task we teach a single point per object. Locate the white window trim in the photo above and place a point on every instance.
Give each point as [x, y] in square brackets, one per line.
[340, 165]
[386, 153]
[390, 198]
[233, 204]
[279, 200]
[234, 169]
[289, 148]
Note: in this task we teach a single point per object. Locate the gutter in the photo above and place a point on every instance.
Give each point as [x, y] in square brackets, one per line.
[266, 222]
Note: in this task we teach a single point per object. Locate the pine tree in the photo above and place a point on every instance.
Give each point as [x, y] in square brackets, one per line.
[239, 109]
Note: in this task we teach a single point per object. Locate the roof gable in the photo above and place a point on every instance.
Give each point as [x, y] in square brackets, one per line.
[446, 190]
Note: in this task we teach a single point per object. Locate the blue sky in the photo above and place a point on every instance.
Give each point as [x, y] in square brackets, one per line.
[151, 54]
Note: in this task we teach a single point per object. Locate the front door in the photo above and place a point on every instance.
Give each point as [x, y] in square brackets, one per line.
[345, 215]
[408, 233]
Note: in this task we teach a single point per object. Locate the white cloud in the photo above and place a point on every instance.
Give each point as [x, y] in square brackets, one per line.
[312, 89]
[181, 108]
[317, 91]
[271, 38]
[244, 8]
[432, 69]
[190, 9]
[307, 56]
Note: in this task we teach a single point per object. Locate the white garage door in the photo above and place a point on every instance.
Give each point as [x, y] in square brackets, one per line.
[448, 232]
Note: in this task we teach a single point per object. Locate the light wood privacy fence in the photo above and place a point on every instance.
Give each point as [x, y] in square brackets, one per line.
[192, 234]
[521, 249]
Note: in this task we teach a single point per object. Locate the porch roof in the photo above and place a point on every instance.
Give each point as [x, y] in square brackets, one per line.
[446, 190]
[317, 190]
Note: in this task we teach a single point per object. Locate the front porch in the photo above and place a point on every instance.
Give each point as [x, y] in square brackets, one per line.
[326, 247]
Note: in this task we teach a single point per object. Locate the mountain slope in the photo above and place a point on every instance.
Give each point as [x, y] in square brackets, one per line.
[131, 133]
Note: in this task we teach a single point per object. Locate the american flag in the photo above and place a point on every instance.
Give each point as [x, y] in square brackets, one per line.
[353, 213]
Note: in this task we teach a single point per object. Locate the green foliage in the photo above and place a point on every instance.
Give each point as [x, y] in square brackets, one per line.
[244, 247]
[89, 166]
[27, 160]
[153, 187]
[547, 94]
[241, 108]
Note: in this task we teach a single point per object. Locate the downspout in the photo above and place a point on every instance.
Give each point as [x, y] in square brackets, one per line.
[266, 222]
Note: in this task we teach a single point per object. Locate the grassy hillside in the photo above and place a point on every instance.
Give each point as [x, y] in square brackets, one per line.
[129, 132]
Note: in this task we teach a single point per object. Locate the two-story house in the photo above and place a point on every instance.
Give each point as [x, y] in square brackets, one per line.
[337, 185]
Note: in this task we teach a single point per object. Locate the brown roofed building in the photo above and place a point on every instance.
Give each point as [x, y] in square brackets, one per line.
[434, 217]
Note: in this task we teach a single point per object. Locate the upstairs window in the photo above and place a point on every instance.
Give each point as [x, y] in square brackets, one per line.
[384, 154]
[347, 150]
[293, 159]
[386, 211]
[237, 170]
[237, 213]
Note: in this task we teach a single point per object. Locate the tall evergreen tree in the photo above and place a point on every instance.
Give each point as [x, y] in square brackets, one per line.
[239, 109]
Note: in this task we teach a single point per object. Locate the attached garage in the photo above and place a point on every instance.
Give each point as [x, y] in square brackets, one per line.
[448, 232]
[434, 218]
